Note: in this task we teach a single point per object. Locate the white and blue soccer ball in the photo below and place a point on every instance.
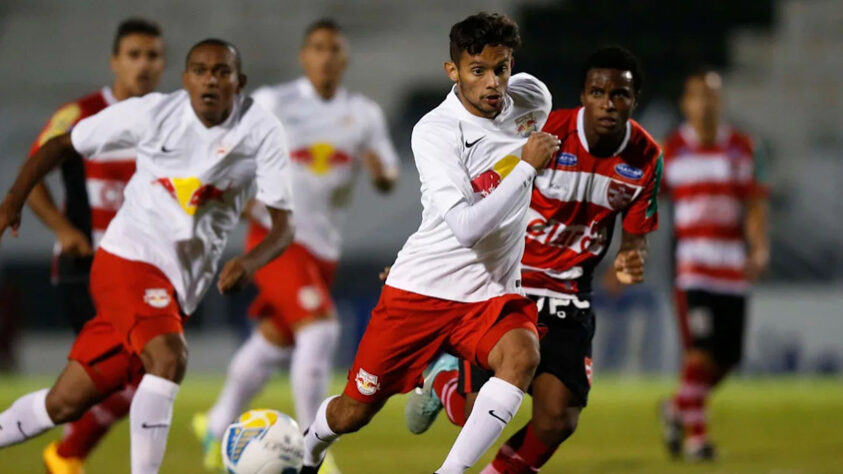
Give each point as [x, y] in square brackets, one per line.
[263, 442]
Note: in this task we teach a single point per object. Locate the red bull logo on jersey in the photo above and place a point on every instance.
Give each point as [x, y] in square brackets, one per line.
[190, 193]
[487, 181]
[619, 194]
[320, 157]
[367, 384]
[526, 124]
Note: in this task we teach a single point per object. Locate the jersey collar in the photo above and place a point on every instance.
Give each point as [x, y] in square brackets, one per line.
[307, 90]
[108, 95]
[691, 138]
[191, 118]
[584, 141]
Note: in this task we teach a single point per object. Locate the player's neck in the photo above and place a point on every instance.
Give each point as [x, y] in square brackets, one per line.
[604, 145]
[326, 90]
[120, 92]
[706, 133]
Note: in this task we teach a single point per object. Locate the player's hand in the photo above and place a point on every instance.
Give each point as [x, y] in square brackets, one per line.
[384, 274]
[757, 262]
[538, 150]
[235, 275]
[629, 266]
[74, 243]
[9, 217]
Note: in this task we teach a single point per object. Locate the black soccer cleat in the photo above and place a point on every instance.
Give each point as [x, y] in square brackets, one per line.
[672, 429]
[703, 453]
[310, 470]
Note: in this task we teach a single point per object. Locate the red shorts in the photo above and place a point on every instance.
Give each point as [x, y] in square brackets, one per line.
[293, 287]
[408, 330]
[135, 302]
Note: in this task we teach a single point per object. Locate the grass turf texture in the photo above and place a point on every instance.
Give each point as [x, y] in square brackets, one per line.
[770, 425]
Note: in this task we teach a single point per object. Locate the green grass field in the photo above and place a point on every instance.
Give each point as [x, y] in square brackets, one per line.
[775, 426]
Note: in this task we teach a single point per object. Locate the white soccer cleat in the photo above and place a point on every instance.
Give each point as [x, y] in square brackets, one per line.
[423, 405]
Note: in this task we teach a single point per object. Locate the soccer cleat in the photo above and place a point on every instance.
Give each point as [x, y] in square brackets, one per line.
[56, 464]
[211, 446]
[423, 405]
[700, 452]
[672, 429]
[329, 466]
[310, 470]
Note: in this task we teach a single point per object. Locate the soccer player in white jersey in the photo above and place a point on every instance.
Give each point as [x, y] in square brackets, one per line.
[201, 154]
[332, 132]
[455, 285]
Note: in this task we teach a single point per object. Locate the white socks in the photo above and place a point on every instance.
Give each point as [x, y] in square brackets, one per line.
[26, 418]
[310, 369]
[318, 436]
[497, 402]
[249, 370]
[149, 419]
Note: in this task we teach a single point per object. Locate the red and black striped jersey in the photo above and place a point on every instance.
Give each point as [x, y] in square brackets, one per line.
[575, 202]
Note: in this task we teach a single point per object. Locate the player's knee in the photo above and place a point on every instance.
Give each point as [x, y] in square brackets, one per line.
[522, 359]
[64, 407]
[555, 428]
[168, 360]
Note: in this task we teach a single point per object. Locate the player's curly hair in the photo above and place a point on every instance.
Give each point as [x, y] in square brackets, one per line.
[614, 57]
[481, 30]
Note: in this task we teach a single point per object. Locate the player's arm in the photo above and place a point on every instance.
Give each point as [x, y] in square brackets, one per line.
[470, 223]
[380, 158]
[55, 151]
[383, 177]
[631, 258]
[238, 271]
[72, 241]
[758, 243]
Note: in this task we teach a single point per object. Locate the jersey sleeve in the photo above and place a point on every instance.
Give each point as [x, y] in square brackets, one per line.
[117, 127]
[378, 140]
[61, 122]
[273, 169]
[642, 216]
[441, 172]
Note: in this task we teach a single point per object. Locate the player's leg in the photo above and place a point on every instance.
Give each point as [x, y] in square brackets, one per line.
[313, 357]
[514, 356]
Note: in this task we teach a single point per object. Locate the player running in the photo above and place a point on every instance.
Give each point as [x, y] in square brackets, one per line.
[607, 166]
[93, 190]
[455, 285]
[201, 153]
[332, 132]
[713, 177]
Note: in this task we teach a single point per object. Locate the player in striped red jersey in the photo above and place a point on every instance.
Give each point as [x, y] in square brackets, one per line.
[713, 177]
[93, 191]
[607, 166]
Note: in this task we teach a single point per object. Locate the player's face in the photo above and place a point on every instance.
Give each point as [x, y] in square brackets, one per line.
[608, 99]
[701, 101]
[324, 57]
[213, 82]
[138, 64]
[482, 79]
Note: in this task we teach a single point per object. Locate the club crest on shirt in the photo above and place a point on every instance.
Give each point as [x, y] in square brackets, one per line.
[619, 194]
[367, 384]
[157, 297]
[526, 124]
[487, 181]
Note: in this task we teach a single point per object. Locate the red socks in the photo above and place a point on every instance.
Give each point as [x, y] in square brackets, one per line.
[523, 453]
[690, 399]
[81, 436]
[445, 387]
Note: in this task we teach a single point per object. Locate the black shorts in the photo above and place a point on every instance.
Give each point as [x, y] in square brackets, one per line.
[566, 335]
[713, 322]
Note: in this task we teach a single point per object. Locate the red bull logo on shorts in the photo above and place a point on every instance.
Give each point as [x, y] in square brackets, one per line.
[320, 157]
[157, 298]
[190, 193]
[487, 181]
[367, 384]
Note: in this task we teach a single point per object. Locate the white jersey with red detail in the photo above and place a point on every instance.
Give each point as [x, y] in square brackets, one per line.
[462, 158]
[576, 200]
[328, 140]
[191, 183]
[709, 186]
[93, 187]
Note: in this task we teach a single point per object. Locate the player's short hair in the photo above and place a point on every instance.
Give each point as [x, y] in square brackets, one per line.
[614, 57]
[705, 72]
[134, 26]
[238, 62]
[480, 30]
[321, 24]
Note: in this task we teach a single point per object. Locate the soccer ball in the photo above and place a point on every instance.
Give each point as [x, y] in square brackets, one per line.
[263, 442]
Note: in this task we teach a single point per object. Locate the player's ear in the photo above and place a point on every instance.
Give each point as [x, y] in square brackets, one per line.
[242, 79]
[452, 70]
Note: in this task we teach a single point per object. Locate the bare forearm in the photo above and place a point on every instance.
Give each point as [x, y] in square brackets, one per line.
[42, 204]
[383, 178]
[635, 242]
[280, 237]
[48, 157]
[756, 224]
